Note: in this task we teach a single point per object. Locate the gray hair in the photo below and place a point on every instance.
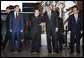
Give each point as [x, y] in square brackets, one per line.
[48, 6]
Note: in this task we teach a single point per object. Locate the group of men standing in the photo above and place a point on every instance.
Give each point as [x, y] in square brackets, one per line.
[15, 26]
[54, 29]
[50, 19]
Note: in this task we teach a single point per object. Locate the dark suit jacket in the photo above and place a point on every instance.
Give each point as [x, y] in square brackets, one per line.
[73, 26]
[16, 25]
[60, 25]
[35, 24]
[81, 17]
[7, 20]
[60, 30]
[50, 24]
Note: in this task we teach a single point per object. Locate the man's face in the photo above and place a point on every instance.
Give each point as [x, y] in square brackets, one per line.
[47, 8]
[17, 9]
[75, 11]
[7, 10]
[36, 12]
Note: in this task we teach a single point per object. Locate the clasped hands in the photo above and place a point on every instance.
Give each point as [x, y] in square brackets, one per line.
[43, 24]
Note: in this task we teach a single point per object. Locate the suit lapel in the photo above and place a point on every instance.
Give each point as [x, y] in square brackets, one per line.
[78, 18]
[18, 17]
[47, 15]
[74, 19]
[35, 18]
[14, 17]
[51, 15]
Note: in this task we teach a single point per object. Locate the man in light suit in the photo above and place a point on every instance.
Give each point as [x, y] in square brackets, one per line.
[74, 27]
[16, 26]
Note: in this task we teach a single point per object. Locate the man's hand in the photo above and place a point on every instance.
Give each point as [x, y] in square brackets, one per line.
[69, 32]
[21, 31]
[42, 24]
[56, 29]
[81, 32]
[10, 30]
[63, 33]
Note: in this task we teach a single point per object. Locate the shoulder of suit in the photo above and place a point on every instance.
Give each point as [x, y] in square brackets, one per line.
[71, 15]
[52, 11]
[11, 13]
[44, 13]
[60, 18]
[32, 16]
[20, 13]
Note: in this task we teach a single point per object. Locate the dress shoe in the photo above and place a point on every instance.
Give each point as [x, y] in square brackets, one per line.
[71, 52]
[19, 50]
[3, 48]
[32, 51]
[49, 51]
[38, 51]
[60, 50]
[12, 50]
[56, 52]
[78, 52]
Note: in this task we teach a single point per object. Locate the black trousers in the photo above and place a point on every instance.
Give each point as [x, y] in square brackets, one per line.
[74, 40]
[36, 39]
[60, 39]
[54, 41]
[7, 37]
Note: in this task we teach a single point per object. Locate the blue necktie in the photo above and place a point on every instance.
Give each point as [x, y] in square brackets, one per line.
[49, 15]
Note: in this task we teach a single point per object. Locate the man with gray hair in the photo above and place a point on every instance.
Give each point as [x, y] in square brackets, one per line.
[51, 28]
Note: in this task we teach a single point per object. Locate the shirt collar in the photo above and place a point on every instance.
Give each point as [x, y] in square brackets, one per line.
[75, 14]
[49, 12]
[15, 12]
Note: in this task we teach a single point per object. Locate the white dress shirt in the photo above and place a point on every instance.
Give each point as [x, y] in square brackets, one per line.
[76, 17]
[15, 14]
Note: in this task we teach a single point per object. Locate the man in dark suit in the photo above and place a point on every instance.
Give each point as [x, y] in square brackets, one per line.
[7, 27]
[60, 31]
[36, 31]
[16, 26]
[81, 17]
[51, 29]
[74, 27]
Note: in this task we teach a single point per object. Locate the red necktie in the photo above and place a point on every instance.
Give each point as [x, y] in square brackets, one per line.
[16, 16]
